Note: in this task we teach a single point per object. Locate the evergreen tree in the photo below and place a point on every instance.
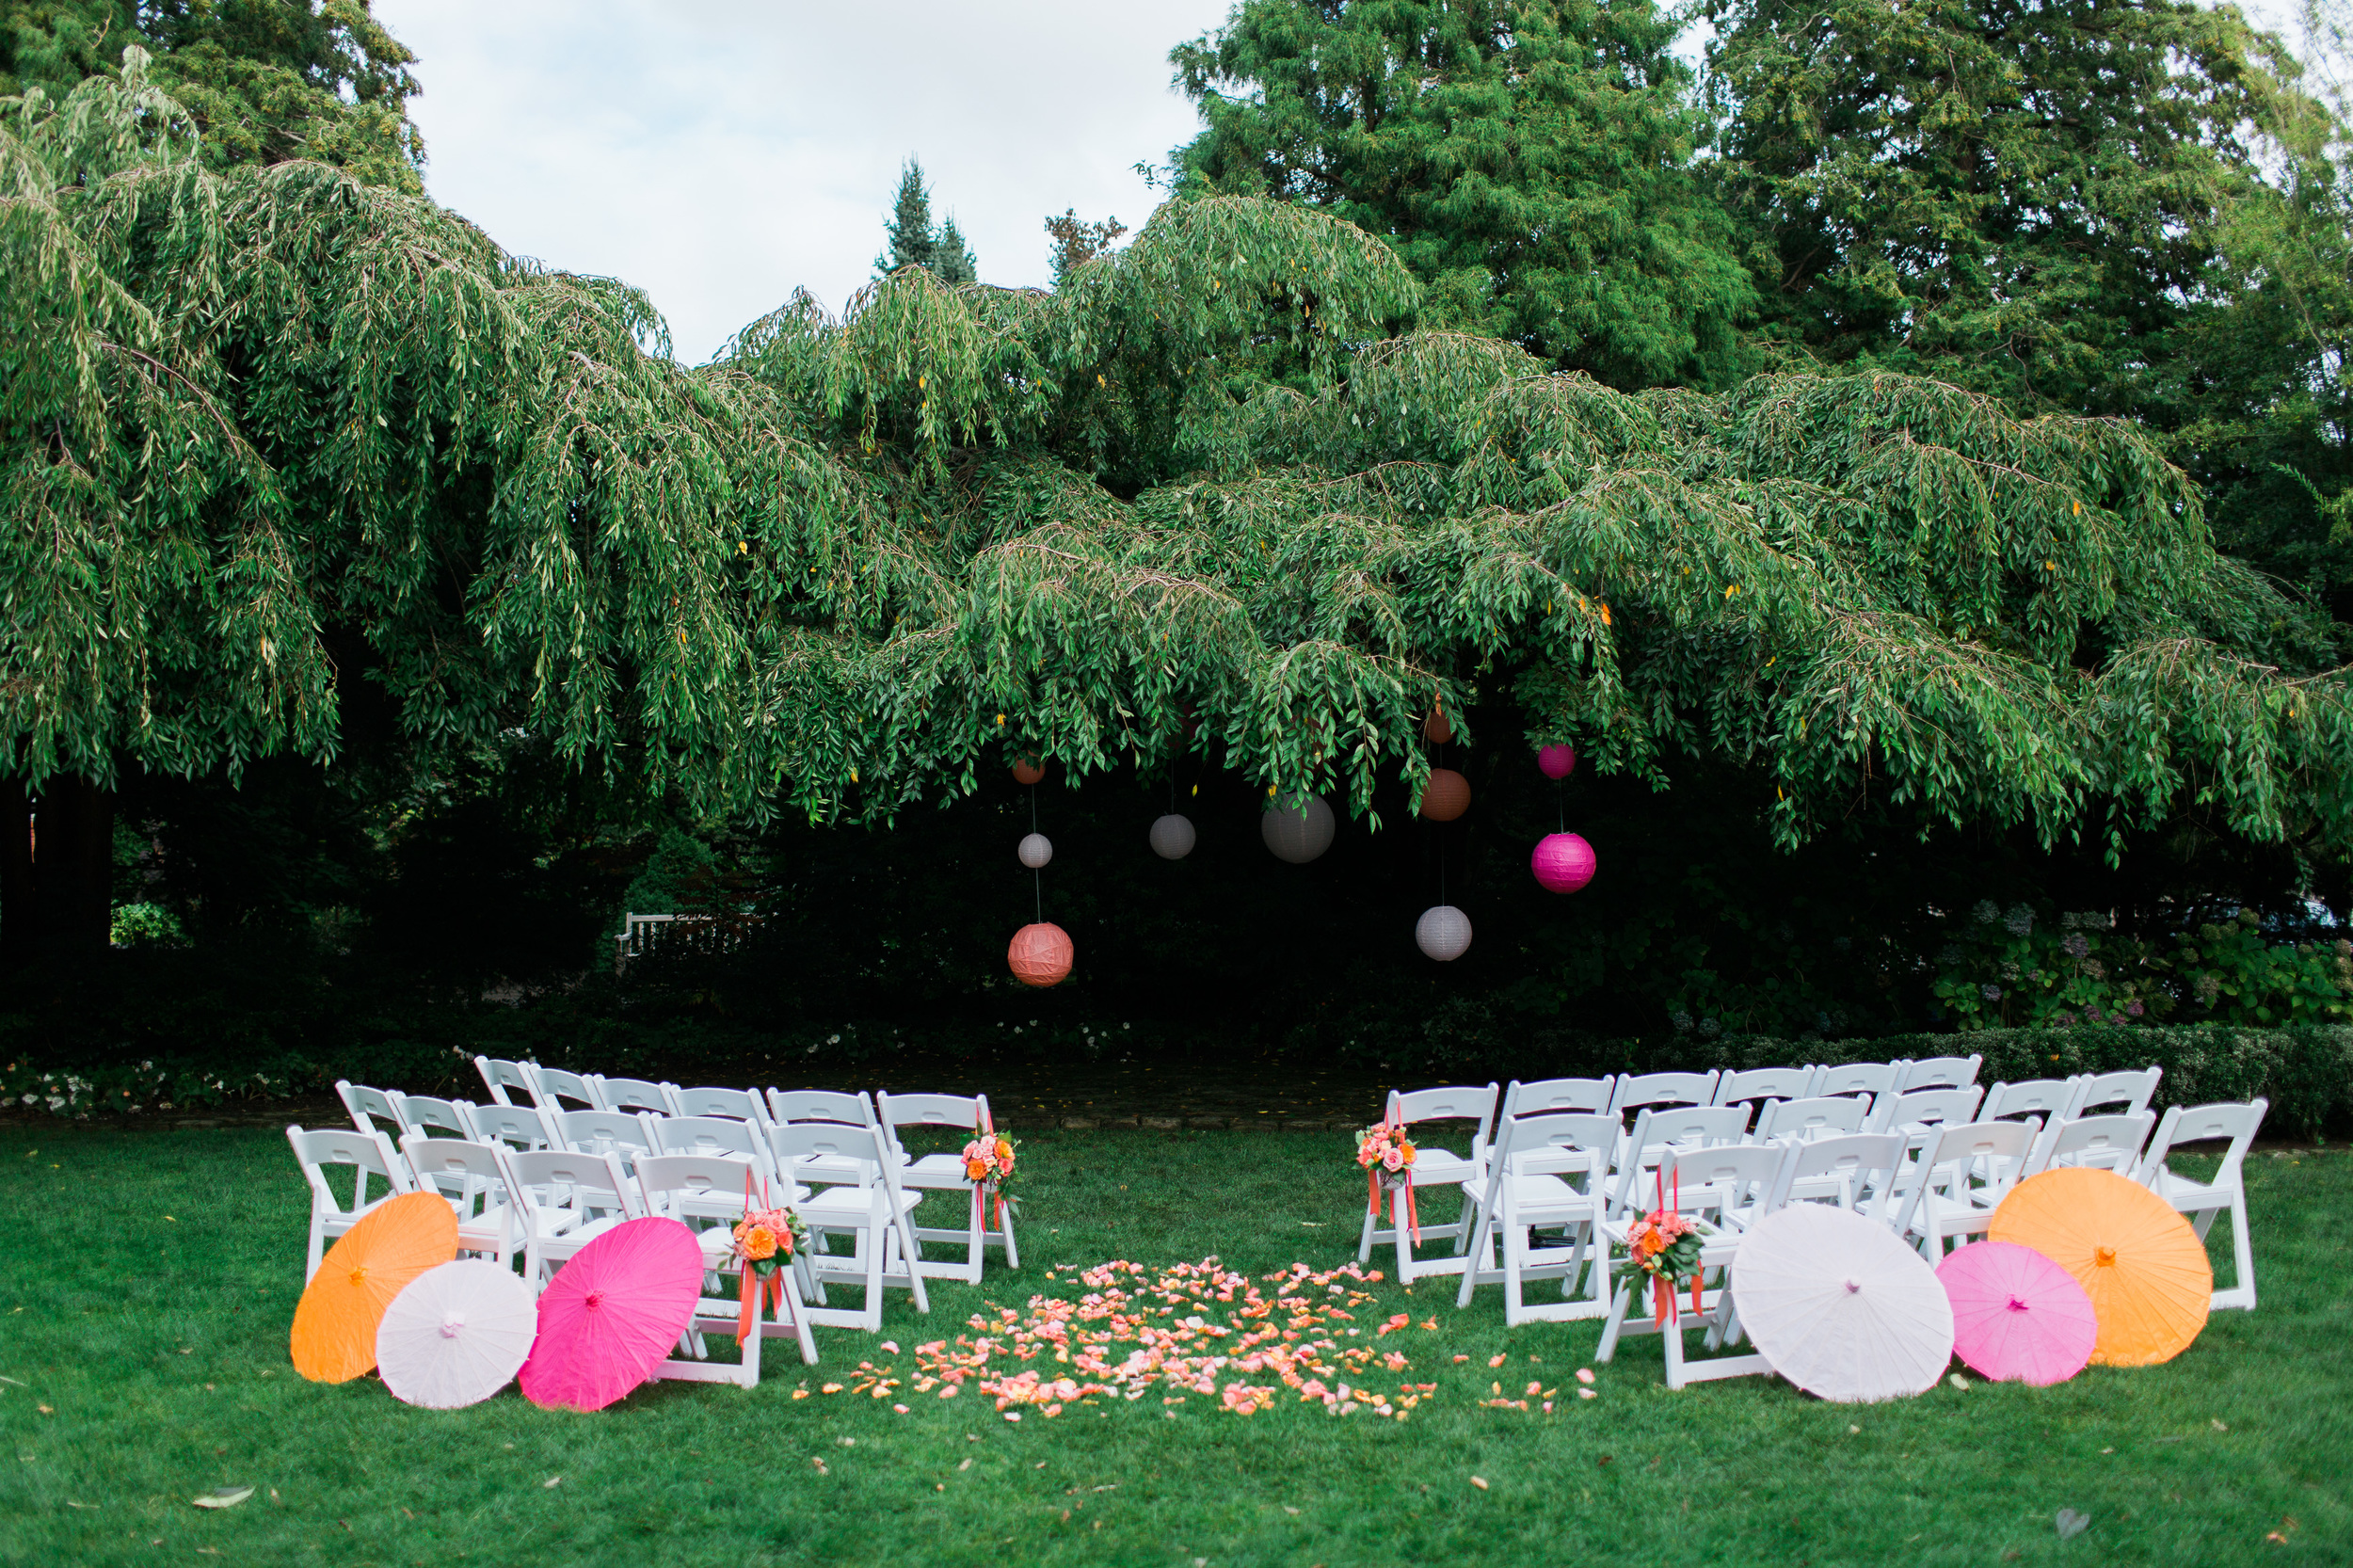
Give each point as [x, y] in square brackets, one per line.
[1531, 162]
[951, 259]
[911, 239]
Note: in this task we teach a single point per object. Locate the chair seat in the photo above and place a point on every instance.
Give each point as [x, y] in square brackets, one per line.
[2182, 1193]
[934, 1170]
[1443, 1167]
[848, 1205]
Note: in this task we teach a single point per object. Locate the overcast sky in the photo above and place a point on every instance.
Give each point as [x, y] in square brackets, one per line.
[721, 152]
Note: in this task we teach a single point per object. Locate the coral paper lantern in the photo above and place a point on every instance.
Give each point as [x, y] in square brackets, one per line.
[1563, 862]
[1298, 828]
[1556, 761]
[1443, 932]
[1172, 836]
[1040, 954]
[1437, 729]
[1035, 851]
[1027, 770]
[1447, 796]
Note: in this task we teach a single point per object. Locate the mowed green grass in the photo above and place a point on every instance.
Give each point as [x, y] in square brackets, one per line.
[146, 1281]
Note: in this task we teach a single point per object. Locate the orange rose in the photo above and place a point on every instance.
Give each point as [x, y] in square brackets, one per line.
[1004, 1154]
[976, 1168]
[760, 1243]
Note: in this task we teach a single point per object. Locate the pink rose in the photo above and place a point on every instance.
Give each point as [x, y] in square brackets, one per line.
[1391, 1159]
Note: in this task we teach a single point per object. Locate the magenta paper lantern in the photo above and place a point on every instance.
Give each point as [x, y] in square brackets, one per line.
[1556, 761]
[1562, 862]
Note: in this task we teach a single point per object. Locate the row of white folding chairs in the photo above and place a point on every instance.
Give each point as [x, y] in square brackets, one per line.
[719, 1121]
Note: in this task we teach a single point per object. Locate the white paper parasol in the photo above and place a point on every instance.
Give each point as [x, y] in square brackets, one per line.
[1840, 1307]
[456, 1335]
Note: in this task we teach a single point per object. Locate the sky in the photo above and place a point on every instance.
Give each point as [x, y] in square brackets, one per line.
[719, 153]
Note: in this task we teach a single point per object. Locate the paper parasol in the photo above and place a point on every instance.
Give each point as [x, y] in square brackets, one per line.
[612, 1313]
[456, 1335]
[334, 1323]
[1841, 1307]
[2140, 1263]
[2016, 1314]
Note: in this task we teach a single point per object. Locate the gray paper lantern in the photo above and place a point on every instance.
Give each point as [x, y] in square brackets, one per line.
[1297, 828]
[1035, 851]
[1172, 836]
[1443, 932]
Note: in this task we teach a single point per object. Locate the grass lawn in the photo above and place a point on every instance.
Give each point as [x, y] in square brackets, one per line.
[146, 1281]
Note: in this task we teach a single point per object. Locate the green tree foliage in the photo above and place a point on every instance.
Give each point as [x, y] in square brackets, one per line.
[264, 80]
[915, 241]
[1529, 162]
[1077, 242]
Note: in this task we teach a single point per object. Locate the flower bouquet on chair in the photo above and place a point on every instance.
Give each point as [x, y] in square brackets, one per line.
[988, 1163]
[765, 1242]
[1665, 1246]
[1387, 1158]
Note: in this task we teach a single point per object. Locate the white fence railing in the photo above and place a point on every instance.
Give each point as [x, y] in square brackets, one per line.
[640, 934]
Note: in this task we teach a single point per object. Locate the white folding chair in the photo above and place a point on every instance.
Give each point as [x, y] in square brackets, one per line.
[1546, 1169]
[1961, 1178]
[1750, 1180]
[469, 1175]
[2125, 1093]
[2096, 1143]
[499, 1077]
[963, 1118]
[1633, 1090]
[1557, 1094]
[2226, 1189]
[1915, 1114]
[368, 1153]
[552, 1086]
[2051, 1098]
[426, 1113]
[687, 1188]
[1855, 1078]
[367, 1107]
[1659, 1130]
[1764, 1083]
[740, 1104]
[1807, 1119]
[516, 1127]
[716, 1138]
[870, 1207]
[631, 1094]
[819, 1105]
[1868, 1173]
[1939, 1072]
[565, 1199]
[616, 1132]
[1432, 1167]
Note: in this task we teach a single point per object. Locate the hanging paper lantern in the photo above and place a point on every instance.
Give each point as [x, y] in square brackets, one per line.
[1172, 836]
[1437, 727]
[1035, 851]
[1447, 796]
[1040, 954]
[1563, 862]
[1443, 932]
[1556, 761]
[1297, 828]
[1027, 770]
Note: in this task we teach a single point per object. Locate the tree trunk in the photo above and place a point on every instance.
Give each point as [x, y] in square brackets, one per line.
[56, 872]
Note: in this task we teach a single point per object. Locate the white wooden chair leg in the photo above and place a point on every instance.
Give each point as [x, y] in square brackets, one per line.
[1614, 1325]
[1364, 1241]
[1672, 1338]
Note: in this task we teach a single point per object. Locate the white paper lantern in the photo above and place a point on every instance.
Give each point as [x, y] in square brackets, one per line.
[1036, 849]
[1443, 932]
[1297, 828]
[1172, 836]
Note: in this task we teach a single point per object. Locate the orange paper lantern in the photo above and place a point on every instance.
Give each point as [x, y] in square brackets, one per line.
[1447, 796]
[1437, 727]
[1029, 770]
[1040, 954]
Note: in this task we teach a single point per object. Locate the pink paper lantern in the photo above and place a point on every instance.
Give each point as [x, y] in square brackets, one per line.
[1562, 862]
[1040, 954]
[1556, 761]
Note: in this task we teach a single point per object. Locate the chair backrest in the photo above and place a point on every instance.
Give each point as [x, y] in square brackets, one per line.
[367, 1107]
[827, 1104]
[714, 1137]
[1558, 1143]
[1757, 1083]
[941, 1111]
[2131, 1092]
[1975, 1162]
[599, 1131]
[1809, 1119]
[460, 1168]
[1868, 1167]
[741, 1104]
[1452, 1102]
[552, 1086]
[424, 1112]
[1939, 1072]
[367, 1154]
[569, 1178]
[1735, 1176]
[2202, 1123]
[1924, 1106]
[2099, 1143]
[1855, 1078]
[1635, 1091]
[2047, 1098]
[1656, 1130]
[1557, 1094]
[630, 1094]
[665, 1180]
[521, 1127]
[833, 1154]
[499, 1077]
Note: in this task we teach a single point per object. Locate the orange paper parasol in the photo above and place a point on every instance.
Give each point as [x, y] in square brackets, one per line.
[335, 1322]
[2140, 1263]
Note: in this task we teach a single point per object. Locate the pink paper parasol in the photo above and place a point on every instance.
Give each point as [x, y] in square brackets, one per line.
[612, 1313]
[2016, 1314]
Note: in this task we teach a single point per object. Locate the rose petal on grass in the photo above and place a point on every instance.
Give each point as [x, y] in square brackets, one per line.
[1480, 1482]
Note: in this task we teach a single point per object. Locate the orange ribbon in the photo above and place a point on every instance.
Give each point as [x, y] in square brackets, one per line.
[1663, 1296]
[754, 1288]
